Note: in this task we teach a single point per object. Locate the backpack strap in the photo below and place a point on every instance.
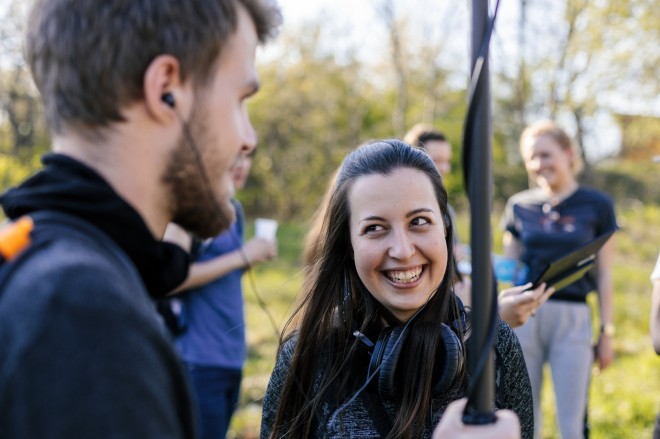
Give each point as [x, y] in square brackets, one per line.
[21, 234]
[17, 241]
[15, 237]
[22, 237]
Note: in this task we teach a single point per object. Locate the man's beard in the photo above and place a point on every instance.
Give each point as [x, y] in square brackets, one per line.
[193, 200]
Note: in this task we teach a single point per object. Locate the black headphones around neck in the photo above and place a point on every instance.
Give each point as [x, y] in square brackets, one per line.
[387, 349]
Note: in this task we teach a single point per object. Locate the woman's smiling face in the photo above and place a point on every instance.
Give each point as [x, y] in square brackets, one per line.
[398, 238]
[548, 163]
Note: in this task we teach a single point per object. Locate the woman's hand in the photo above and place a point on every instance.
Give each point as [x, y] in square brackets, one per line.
[518, 303]
[604, 351]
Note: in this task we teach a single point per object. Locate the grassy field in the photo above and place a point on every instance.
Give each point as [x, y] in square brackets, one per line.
[624, 398]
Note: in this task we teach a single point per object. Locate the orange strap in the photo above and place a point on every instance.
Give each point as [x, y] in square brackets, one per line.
[15, 237]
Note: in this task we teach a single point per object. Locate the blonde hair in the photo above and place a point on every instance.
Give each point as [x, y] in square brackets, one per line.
[556, 133]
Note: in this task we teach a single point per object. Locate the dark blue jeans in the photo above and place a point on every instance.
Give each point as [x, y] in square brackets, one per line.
[216, 391]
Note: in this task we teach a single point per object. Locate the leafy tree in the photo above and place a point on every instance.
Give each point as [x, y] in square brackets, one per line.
[579, 58]
[22, 129]
[311, 111]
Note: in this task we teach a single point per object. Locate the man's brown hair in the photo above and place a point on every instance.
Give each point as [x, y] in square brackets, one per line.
[88, 57]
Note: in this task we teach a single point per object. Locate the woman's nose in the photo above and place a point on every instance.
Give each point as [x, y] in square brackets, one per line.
[401, 246]
[534, 164]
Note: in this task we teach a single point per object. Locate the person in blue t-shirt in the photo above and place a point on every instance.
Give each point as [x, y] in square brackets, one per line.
[213, 346]
[541, 224]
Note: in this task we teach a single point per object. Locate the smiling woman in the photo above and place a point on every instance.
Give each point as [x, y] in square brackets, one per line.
[542, 224]
[398, 239]
[376, 349]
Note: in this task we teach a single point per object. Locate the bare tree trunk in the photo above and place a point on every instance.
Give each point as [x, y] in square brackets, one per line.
[21, 109]
[553, 95]
[578, 114]
[386, 10]
[19, 102]
[521, 88]
[573, 12]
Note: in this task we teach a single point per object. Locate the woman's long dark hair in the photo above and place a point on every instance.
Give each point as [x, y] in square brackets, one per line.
[327, 355]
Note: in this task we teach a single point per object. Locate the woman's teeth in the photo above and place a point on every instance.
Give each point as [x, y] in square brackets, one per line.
[407, 276]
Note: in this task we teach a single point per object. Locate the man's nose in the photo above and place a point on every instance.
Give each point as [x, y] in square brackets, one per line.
[250, 139]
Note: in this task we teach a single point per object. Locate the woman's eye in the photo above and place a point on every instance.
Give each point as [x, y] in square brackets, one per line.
[373, 228]
[420, 221]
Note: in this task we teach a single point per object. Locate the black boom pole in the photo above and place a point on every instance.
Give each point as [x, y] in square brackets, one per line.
[478, 180]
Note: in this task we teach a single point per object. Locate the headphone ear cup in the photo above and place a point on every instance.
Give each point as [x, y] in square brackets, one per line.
[450, 362]
[393, 344]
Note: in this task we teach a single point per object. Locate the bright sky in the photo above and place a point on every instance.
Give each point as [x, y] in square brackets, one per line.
[355, 24]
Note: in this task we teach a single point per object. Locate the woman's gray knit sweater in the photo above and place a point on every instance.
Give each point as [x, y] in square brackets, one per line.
[513, 392]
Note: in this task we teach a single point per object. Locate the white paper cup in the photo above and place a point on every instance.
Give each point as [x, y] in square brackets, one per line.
[265, 228]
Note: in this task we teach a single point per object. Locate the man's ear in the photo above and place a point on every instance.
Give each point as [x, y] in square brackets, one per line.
[163, 77]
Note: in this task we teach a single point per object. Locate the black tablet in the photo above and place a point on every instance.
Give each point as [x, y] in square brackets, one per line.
[570, 267]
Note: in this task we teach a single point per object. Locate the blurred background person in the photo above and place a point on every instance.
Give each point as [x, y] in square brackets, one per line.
[542, 223]
[213, 346]
[438, 148]
[434, 143]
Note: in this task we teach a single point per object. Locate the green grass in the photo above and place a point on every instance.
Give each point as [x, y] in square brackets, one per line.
[624, 398]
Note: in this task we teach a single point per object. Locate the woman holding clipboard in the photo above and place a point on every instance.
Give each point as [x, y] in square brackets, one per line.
[555, 217]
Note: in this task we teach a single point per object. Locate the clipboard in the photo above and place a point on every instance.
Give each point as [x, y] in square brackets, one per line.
[572, 266]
